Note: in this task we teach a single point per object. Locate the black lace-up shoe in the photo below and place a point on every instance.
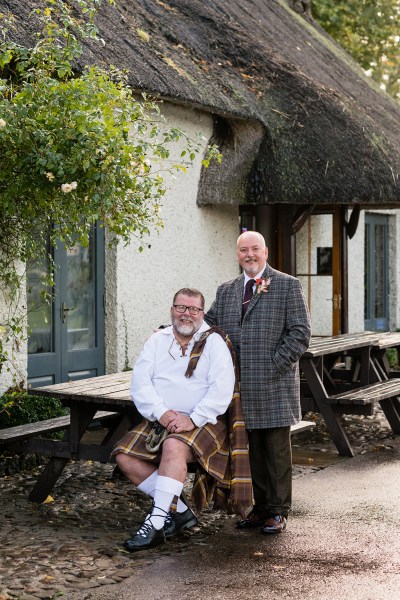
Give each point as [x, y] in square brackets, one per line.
[176, 522]
[146, 537]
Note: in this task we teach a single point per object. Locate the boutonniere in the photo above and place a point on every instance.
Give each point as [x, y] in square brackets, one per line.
[263, 284]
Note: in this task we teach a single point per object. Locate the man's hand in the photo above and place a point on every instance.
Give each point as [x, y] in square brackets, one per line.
[180, 423]
[167, 418]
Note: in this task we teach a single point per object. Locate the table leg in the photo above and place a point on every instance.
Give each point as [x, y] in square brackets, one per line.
[81, 416]
[381, 368]
[380, 371]
[365, 361]
[47, 479]
[331, 419]
[391, 409]
[119, 430]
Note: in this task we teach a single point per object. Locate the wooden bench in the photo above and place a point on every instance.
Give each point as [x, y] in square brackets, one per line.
[389, 388]
[24, 432]
[302, 426]
[385, 392]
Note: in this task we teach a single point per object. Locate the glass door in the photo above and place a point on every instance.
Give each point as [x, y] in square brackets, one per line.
[66, 340]
[376, 276]
[318, 252]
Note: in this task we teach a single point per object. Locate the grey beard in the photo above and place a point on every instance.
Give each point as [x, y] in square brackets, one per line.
[186, 330]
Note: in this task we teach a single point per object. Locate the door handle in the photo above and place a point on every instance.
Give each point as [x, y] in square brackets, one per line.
[336, 300]
[64, 311]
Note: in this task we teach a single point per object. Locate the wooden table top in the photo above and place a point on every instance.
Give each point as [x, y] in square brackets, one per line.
[340, 343]
[388, 340]
[349, 341]
[114, 388]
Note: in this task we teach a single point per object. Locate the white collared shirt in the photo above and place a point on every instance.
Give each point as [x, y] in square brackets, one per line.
[159, 382]
[247, 278]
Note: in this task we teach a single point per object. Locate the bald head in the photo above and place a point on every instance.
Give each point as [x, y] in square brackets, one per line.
[252, 236]
[252, 253]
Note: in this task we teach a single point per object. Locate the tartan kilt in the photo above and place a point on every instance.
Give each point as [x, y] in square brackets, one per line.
[221, 453]
[210, 446]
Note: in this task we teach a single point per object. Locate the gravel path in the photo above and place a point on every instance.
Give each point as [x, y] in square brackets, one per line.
[74, 541]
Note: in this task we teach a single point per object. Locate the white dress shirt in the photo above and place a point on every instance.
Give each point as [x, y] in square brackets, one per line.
[159, 382]
[247, 278]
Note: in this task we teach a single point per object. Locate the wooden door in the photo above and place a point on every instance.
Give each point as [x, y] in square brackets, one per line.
[319, 259]
[66, 339]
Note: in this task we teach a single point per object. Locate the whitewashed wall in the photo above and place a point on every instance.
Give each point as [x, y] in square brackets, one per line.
[356, 269]
[14, 370]
[196, 248]
[396, 286]
[317, 232]
[394, 270]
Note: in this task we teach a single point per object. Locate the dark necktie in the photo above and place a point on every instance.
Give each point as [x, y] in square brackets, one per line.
[248, 294]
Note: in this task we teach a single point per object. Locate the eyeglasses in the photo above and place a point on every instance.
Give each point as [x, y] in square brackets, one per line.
[193, 310]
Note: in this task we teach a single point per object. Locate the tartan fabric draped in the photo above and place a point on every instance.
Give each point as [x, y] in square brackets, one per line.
[220, 450]
[198, 348]
[234, 492]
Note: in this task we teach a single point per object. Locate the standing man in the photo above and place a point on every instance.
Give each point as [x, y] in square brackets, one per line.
[264, 313]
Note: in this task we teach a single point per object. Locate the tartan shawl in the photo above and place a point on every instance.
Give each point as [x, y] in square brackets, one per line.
[234, 492]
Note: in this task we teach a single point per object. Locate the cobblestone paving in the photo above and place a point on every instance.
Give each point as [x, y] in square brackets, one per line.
[74, 541]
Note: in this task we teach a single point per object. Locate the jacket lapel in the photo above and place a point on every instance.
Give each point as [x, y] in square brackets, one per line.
[238, 291]
[256, 296]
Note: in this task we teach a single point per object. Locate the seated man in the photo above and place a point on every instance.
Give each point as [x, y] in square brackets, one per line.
[184, 379]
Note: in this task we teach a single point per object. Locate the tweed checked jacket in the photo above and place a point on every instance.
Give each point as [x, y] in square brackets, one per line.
[275, 332]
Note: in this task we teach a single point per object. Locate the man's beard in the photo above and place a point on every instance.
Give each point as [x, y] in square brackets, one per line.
[185, 329]
[251, 267]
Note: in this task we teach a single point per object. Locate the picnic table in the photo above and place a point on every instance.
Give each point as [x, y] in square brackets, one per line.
[331, 387]
[349, 373]
[105, 398]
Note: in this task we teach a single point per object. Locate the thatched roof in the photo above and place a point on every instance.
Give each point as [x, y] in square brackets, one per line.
[296, 118]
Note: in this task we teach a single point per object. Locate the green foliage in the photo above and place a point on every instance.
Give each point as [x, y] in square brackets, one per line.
[75, 148]
[17, 408]
[369, 31]
[393, 356]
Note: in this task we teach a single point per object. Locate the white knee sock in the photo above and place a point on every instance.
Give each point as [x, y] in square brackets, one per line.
[148, 486]
[166, 489]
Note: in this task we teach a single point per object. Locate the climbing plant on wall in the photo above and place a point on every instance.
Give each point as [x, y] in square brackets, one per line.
[76, 147]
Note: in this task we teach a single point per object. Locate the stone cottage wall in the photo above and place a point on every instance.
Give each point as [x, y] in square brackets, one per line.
[196, 248]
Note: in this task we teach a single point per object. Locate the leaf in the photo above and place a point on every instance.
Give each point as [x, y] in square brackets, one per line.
[48, 500]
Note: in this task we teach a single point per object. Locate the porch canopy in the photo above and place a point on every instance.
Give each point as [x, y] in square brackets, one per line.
[297, 120]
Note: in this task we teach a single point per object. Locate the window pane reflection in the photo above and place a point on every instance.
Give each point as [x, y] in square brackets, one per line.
[40, 313]
[80, 296]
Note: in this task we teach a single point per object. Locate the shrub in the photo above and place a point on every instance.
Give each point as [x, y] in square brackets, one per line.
[393, 357]
[17, 408]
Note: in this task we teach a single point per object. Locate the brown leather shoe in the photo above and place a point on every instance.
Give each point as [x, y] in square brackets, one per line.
[254, 519]
[274, 524]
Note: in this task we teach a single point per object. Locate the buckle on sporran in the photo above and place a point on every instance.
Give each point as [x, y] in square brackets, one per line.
[156, 437]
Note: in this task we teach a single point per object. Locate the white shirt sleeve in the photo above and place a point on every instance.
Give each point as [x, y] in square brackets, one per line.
[221, 378]
[143, 393]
